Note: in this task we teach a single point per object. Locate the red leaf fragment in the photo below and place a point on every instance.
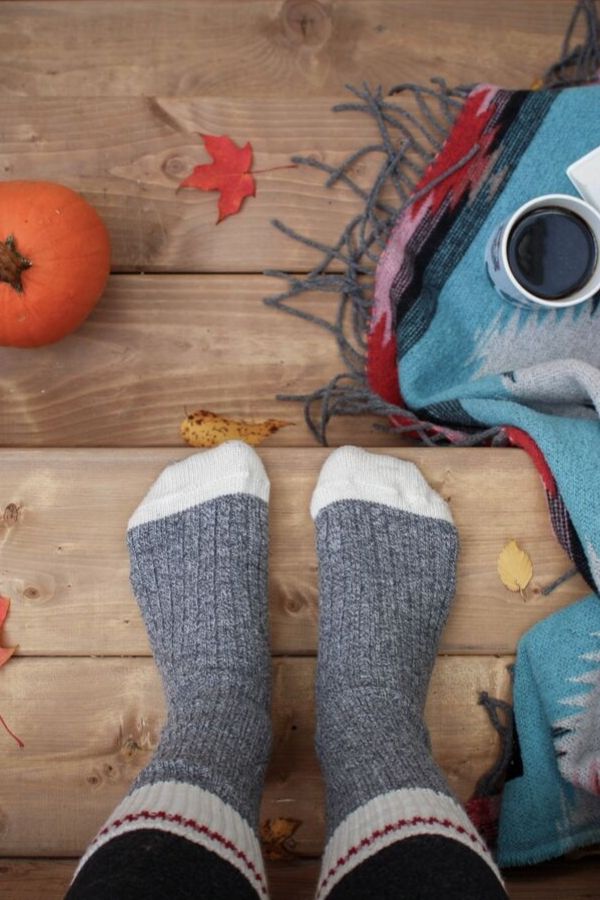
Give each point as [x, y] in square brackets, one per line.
[5, 652]
[229, 173]
[5, 655]
[12, 734]
[4, 607]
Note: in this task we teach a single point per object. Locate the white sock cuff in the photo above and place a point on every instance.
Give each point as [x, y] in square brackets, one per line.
[394, 817]
[191, 813]
[231, 468]
[350, 473]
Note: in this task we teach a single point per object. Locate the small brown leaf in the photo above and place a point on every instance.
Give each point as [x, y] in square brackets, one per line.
[515, 568]
[207, 429]
[276, 838]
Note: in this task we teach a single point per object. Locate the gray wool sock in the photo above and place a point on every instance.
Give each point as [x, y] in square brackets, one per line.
[198, 547]
[387, 552]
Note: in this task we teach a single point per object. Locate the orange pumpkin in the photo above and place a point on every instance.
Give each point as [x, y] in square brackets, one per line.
[54, 262]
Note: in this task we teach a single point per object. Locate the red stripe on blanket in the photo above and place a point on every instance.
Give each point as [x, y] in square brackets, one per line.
[521, 439]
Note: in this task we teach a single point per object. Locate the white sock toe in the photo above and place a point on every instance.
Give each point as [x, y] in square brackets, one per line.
[351, 473]
[231, 468]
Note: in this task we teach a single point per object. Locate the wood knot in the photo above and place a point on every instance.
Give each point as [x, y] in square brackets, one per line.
[10, 515]
[105, 773]
[137, 738]
[294, 603]
[131, 748]
[111, 773]
[37, 586]
[175, 166]
[306, 23]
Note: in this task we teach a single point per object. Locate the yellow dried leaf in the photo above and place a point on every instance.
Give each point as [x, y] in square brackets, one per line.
[275, 836]
[207, 429]
[514, 567]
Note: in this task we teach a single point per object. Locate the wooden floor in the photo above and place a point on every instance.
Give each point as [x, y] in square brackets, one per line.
[108, 97]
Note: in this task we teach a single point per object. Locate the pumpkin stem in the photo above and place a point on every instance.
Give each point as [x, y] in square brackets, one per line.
[12, 264]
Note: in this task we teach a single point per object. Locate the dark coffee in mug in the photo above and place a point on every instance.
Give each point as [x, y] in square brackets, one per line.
[552, 252]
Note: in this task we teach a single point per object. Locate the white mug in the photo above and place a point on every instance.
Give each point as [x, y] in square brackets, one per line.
[497, 256]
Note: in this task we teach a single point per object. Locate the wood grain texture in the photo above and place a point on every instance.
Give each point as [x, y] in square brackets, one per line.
[158, 345]
[127, 155]
[65, 566]
[31, 879]
[90, 724]
[296, 48]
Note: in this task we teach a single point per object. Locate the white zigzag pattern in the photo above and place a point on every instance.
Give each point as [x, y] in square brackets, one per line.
[578, 749]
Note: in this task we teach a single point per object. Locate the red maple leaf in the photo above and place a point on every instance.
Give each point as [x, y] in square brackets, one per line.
[229, 173]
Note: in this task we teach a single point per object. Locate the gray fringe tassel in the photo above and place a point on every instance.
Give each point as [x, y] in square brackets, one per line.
[502, 718]
[581, 63]
[407, 144]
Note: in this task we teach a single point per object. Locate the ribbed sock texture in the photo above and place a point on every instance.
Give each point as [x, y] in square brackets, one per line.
[387, 578]
[200, 579]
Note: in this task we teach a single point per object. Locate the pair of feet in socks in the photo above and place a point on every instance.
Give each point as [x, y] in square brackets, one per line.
[387, 550]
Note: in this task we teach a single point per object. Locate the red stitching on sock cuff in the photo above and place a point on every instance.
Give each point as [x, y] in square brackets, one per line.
[194, 826]
[398, 826]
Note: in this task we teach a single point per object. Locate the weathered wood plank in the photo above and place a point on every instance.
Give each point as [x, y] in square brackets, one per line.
[127, 155]
[89, 725]
[157, 345]
[30, 879]
[296, 48]
[64, 561]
